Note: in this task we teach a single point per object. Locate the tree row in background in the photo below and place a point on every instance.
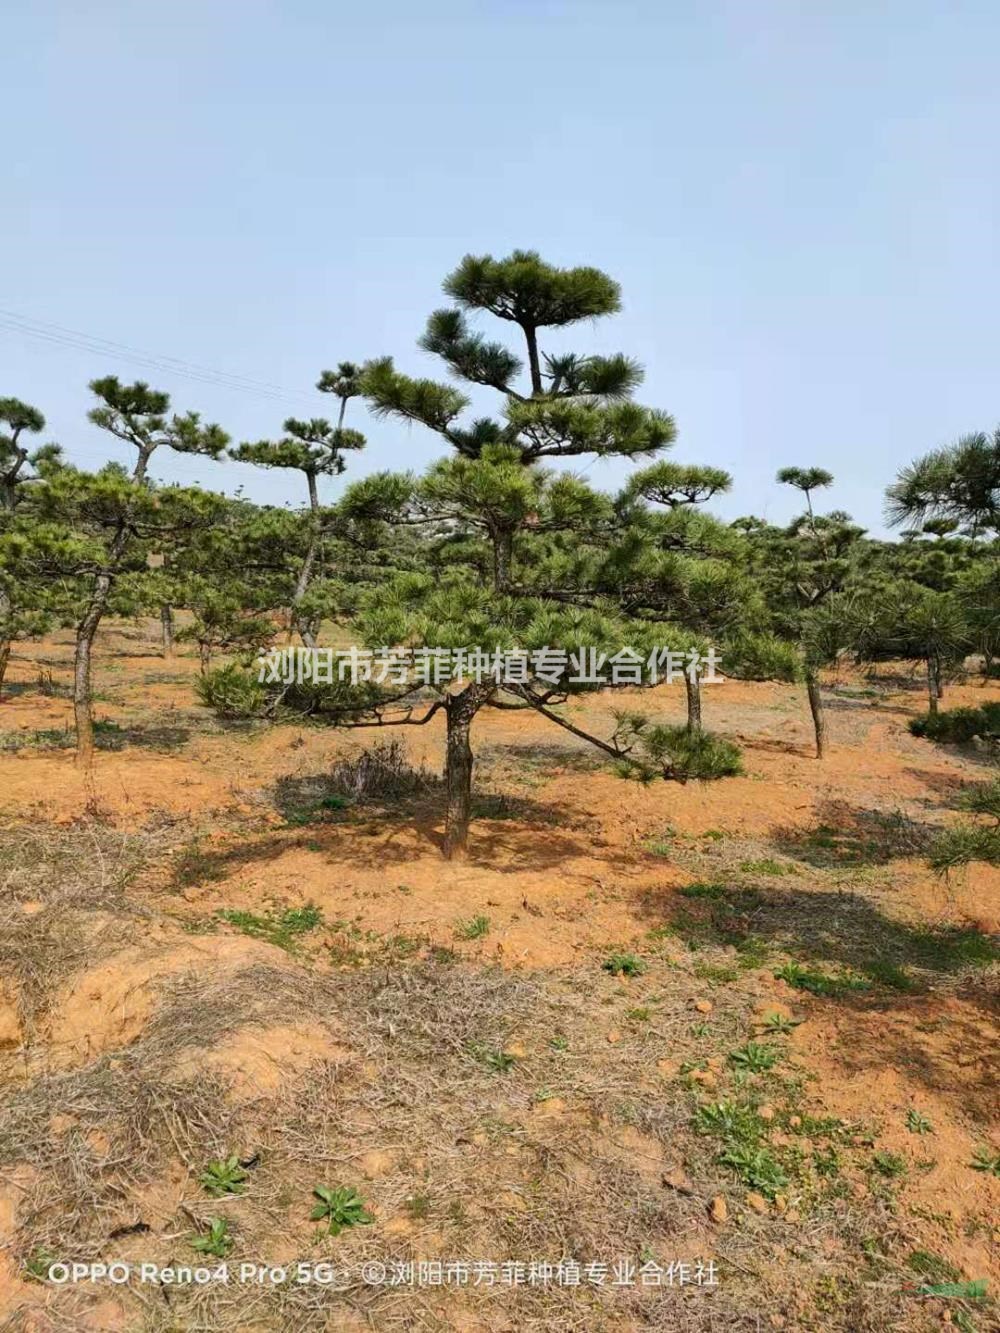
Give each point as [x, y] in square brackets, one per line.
[494, 546]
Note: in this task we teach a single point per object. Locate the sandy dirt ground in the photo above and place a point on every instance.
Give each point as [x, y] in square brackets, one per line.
[493, 1090]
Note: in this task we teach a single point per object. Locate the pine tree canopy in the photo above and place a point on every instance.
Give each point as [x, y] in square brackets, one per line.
[137, 414]
[675, 484]
[524, 289]
[960, 482]
[573, 404]
[315, 447]
[805, 478]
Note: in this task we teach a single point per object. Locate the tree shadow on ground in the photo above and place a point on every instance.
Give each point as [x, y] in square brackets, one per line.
[108, 736]
[847, 952]
[946, 786]
[853, 835]
[576, 757]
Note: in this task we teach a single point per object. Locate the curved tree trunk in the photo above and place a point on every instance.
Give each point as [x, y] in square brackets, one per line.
[818, 715]
[4, 659]
[167, 626]
[460, 709]
[692, 686]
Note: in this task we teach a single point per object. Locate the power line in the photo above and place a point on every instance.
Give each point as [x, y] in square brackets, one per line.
[59, 335]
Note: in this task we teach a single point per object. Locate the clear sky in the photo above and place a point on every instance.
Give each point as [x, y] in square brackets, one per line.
[799, 200]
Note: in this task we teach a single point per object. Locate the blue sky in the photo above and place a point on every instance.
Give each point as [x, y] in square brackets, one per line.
[799, 200]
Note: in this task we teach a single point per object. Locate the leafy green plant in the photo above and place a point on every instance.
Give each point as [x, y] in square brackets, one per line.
[623, 965]
[889, 1164]
[754, 1057]
[473, 929]
[224, 1177]
[986, 1161]
[216, 1241]
[38, 1263]
[492, 1057]
[728, 1120]
[826, 1161]
[755, 1167]
[917, 1123]
[339, 1208]
[779, 1025]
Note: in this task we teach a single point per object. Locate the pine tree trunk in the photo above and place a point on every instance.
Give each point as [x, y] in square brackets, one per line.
[167, 627]
[534, 366]
[932, 688]
[460, 709]
[818, 715]
[302, 626]
[6, 630]
[503, 547]
[692, 685]
[83, 708]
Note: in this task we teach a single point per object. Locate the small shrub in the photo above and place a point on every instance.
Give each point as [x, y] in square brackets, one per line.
[958, 725]
[223, 1177]
[960, 846]
[380, 772]
[623, 965]
[232, 691]
[700, 755]
[339, 1209]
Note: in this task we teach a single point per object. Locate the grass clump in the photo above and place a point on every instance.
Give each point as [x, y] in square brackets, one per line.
[623, 965]
[473, 929]
[821, 983]
[889, 1164]
[766, 866]
[282, 931]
